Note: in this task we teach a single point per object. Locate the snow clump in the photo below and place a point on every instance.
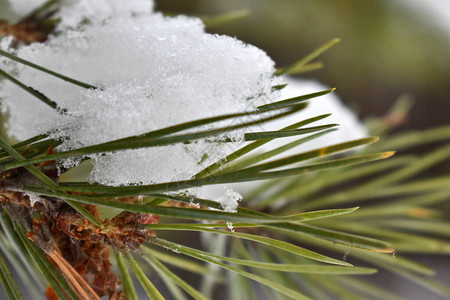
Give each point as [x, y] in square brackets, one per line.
[151, 72]
[229, 200]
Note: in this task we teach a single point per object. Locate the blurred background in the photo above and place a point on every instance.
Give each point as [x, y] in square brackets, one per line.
[388, 48]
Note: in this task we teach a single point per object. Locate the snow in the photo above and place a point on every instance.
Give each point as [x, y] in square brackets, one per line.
[100, 10]
[229, 200]
[86, 9]
[153, 72]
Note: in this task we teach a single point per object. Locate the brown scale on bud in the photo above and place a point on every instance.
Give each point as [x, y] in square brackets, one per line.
[123, 232]
[84, 246]
[17, 198]
[78, 248]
